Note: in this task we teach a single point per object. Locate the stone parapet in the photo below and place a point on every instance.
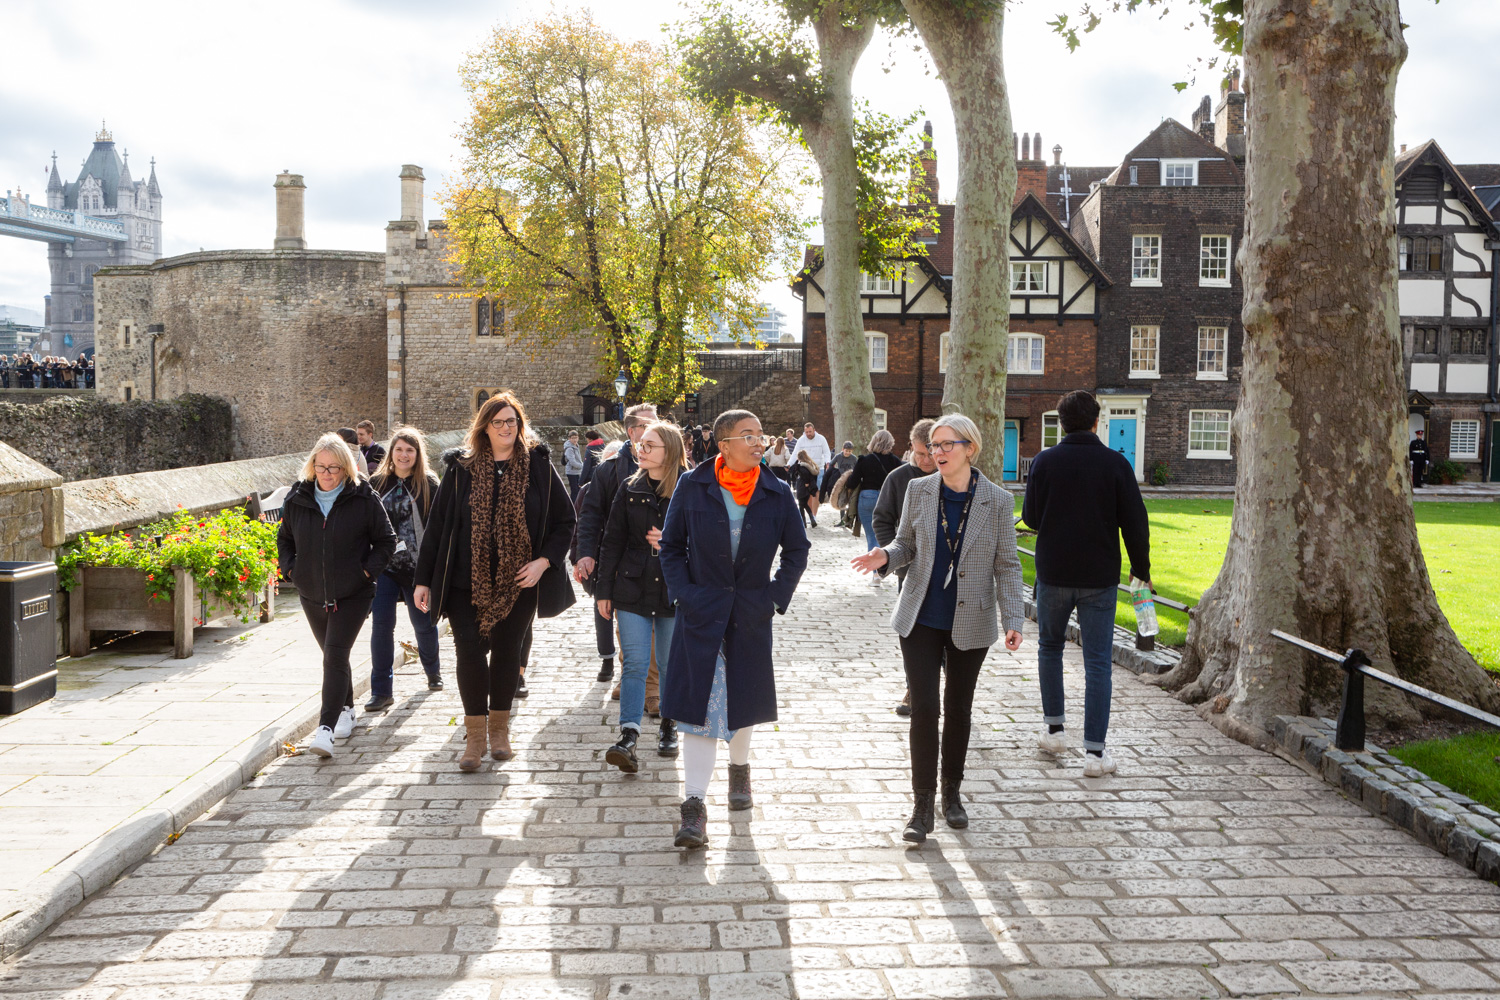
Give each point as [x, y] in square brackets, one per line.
[30, 504]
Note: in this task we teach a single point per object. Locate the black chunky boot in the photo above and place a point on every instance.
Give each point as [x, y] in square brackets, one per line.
[622, 754]
[667, 741]
[953, 806]
[606, 668]
[921, 822]
[739, 787]
[694, 829]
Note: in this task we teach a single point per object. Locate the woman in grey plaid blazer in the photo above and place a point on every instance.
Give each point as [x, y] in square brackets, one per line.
[958, 541]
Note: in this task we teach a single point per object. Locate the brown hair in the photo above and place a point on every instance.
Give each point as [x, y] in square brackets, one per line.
[366, 425]
[421, 488]
[674, 462]
[921, 431]
[477, 440]
[633, 415]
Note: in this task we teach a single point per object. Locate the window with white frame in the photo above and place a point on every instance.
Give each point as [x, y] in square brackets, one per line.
[1051, 429]
[1213, 260]
[1463, 439]
[875, 346]
[1026, 354]
[1208, 434]
[1028, 276]
[945, 345]
[1145, 351]
[874, 284]
[1212, 352]
[1145, 260]
[1179, 173]
[879, 419]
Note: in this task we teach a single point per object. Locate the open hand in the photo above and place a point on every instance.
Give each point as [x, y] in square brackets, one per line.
[532, 572]
[871, 561]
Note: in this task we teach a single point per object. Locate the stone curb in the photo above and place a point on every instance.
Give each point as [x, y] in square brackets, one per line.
[1449, 823]
[96, 865]
[1124, 653]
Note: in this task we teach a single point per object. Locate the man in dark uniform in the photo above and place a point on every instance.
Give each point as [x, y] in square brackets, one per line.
[1416, 452]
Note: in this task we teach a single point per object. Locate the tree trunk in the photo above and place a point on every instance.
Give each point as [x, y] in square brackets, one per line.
[831, 141]
[1323, 542]
[966, 48]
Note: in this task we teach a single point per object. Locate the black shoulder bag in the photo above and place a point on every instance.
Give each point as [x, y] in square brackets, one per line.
[554, 591]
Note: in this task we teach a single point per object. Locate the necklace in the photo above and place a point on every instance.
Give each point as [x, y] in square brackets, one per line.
[955, 539]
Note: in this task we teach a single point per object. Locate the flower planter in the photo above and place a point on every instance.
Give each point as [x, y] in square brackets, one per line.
[118, 598]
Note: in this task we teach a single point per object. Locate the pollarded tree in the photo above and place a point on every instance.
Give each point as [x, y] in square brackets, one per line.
[863, 163]
[600, 193]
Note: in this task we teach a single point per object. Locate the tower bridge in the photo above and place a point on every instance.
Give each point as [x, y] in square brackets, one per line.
[18, 217]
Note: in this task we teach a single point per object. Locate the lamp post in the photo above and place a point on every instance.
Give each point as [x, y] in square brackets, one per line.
[622, 384]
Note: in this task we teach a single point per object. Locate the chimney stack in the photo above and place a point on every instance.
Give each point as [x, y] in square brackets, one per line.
[289, 194]
[1036, 145]
[1203, 118]
[1229, 118]
[411, 194]
[1057, 155]
[924, 178]
[1031, 168]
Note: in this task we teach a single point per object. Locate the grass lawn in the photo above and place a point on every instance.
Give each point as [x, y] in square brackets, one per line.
[1460, 540]
[1464, 763]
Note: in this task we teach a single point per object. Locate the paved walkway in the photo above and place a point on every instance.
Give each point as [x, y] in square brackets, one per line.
[1203, 869]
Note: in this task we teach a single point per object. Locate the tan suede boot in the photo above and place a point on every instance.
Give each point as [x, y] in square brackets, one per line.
[474, 743]
[500, 735]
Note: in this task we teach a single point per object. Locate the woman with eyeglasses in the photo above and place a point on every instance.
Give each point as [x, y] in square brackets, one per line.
[958, 537]
[333, 543]
[501, 518]
[727, 523]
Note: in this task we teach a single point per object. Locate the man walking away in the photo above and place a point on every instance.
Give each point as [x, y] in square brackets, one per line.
[1417, 453]
[1081, 497]
[816, 445]
[893, 496]
[369, 448]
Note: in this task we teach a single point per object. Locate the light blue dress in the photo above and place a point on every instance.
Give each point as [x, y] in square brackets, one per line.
[716, 721]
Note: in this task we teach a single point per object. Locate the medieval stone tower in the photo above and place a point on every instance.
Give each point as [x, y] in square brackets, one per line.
[104, 189]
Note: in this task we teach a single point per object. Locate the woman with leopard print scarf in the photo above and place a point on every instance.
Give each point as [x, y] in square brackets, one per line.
[482, 556]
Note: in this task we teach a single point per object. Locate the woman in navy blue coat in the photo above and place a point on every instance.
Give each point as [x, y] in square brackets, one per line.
[727, 521]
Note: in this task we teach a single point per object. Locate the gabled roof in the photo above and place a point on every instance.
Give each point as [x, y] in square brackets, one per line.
[1430, 154]
[1172, 140]
[1032, 207]
[1484, 178]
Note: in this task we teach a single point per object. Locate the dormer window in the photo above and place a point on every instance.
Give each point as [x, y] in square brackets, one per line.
[1179, 173]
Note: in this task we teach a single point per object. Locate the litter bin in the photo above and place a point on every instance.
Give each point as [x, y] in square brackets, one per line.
[28, 634]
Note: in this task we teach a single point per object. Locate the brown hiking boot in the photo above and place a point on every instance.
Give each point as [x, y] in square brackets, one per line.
[474, 743]
[500, 736]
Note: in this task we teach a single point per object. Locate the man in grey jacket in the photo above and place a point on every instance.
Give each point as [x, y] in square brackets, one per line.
[892, 495]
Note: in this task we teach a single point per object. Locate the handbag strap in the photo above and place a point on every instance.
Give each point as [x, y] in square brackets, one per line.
[536, 543]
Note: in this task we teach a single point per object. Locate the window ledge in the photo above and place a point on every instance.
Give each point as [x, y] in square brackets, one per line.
[1213, 377]
[1463, 458]
[1218, 456]
[1145, 282]
[1145, 375]
[1025, 373]
[1207, 283]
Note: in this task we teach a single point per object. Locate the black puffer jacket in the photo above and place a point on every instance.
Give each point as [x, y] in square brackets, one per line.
[336, 557]
[629, 570]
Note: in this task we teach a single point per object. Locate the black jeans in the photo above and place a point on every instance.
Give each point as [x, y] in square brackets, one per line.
[336, 630]
[488, 666]
[926, 652]
[604, 635]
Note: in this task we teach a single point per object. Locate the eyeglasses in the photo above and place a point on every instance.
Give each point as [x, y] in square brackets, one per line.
[751, 440]
[504, 422]
[328, 470]
[646, 447]
[946, 446]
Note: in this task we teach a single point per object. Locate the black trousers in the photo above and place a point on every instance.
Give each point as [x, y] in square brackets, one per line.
[489, 666]
[1418, 473]
[336, 629]
[926, 652]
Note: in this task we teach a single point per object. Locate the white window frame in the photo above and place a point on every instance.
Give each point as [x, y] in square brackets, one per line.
[1010, 354]
[1054, 428]
[1024, 275]
[1155, 349]
[876, 284]
[1167, 165]
[880, 419]
[1145, 259]
[871, 336]
[1228, 432]
[1221, 373]
[1453, 440]
[945, 348]
[1205, 258]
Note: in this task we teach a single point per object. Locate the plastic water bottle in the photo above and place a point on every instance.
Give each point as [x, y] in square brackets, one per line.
[1145, 607]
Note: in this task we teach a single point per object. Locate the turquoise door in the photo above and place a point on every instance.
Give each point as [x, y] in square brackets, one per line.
[1012, 451]
[1122, 438]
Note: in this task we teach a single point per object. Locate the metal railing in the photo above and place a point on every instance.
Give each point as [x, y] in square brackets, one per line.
[1350, 733]
[749, 360]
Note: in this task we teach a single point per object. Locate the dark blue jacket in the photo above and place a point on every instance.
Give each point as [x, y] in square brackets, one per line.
[727, 602]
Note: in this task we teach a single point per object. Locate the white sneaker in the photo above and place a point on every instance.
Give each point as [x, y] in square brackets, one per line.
[321, 744]
[345, 727]
[876, 580]
[1098, 767]
[1053, 743]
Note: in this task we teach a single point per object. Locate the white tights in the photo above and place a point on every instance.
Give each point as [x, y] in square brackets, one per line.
[699, 754]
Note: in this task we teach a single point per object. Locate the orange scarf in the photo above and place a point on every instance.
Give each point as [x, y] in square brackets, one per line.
[741, 485]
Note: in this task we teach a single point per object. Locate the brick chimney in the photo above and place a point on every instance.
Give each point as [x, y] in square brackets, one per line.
[1203, 118]
[1229, 117]
[289, 192]
[1031, 169]
[924, 178]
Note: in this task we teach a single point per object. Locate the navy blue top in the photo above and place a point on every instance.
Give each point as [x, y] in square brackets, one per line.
[941, 602]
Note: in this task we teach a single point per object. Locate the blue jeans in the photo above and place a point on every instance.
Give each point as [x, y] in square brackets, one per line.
[388, 594]
[636, 633]
[866, 510]
[1096, 622]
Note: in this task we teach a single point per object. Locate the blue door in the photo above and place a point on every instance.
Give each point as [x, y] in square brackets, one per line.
[1012, 451]
[1122, 437]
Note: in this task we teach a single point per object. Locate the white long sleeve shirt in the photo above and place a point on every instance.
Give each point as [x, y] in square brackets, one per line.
[815, 447]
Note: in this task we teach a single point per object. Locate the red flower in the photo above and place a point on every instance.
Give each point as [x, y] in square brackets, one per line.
[150, 576]
[244, 577]
[212, 572]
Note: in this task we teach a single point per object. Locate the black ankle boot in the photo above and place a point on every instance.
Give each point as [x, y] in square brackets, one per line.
[739, 787]
[667, 741]
[921, 822]
[622, 754]
[953, 806]
[606, 668]
[694, 829]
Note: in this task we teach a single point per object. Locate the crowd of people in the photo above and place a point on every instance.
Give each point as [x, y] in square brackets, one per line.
[689, 540]
[23, 371]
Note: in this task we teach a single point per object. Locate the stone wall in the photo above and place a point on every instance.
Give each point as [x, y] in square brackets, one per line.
[89, 436]
[30, 507]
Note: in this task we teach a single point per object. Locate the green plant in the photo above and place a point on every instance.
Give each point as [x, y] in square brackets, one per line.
[1161, 474]
[1446, 472]
[230, 556]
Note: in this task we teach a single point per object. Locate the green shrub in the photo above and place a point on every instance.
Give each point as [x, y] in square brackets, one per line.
[1161, 474]
[1446, 472]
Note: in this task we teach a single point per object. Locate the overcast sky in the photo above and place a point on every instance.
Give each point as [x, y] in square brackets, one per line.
[226, 95]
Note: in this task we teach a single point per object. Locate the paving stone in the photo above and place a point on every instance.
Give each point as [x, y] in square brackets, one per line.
[1252, 979]
[1065, 983]
[1350, 977]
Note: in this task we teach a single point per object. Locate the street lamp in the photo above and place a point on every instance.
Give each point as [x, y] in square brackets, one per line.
[622, 384]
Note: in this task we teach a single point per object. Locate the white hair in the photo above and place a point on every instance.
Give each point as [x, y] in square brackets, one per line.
[964, 428]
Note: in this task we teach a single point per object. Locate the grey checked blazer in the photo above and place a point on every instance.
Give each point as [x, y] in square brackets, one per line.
[987, 562]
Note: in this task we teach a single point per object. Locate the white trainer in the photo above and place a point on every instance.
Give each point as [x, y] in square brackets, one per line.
[321, 744]
[1053, 743]
[345, 727]
[1098, 767]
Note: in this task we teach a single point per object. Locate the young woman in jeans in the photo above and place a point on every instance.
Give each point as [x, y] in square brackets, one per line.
[958, 537]
[333, 542]
[630, 587]
[406, 488]
[865, 481]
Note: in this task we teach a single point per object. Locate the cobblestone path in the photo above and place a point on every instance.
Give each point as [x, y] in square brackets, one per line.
[1202, 869]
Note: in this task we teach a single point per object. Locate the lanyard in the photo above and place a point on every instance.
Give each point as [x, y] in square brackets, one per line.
[955, 539]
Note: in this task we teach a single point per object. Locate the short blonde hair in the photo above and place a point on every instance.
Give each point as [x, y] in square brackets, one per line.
[963, 427]
[339, 449]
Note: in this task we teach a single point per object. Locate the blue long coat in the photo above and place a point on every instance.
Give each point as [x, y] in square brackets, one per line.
[725, 601]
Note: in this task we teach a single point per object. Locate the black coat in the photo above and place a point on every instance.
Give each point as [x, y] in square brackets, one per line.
[604, 483]
[870, 472]
[629, 568]
[1082, 498]
[337, 557]
[449, 524]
